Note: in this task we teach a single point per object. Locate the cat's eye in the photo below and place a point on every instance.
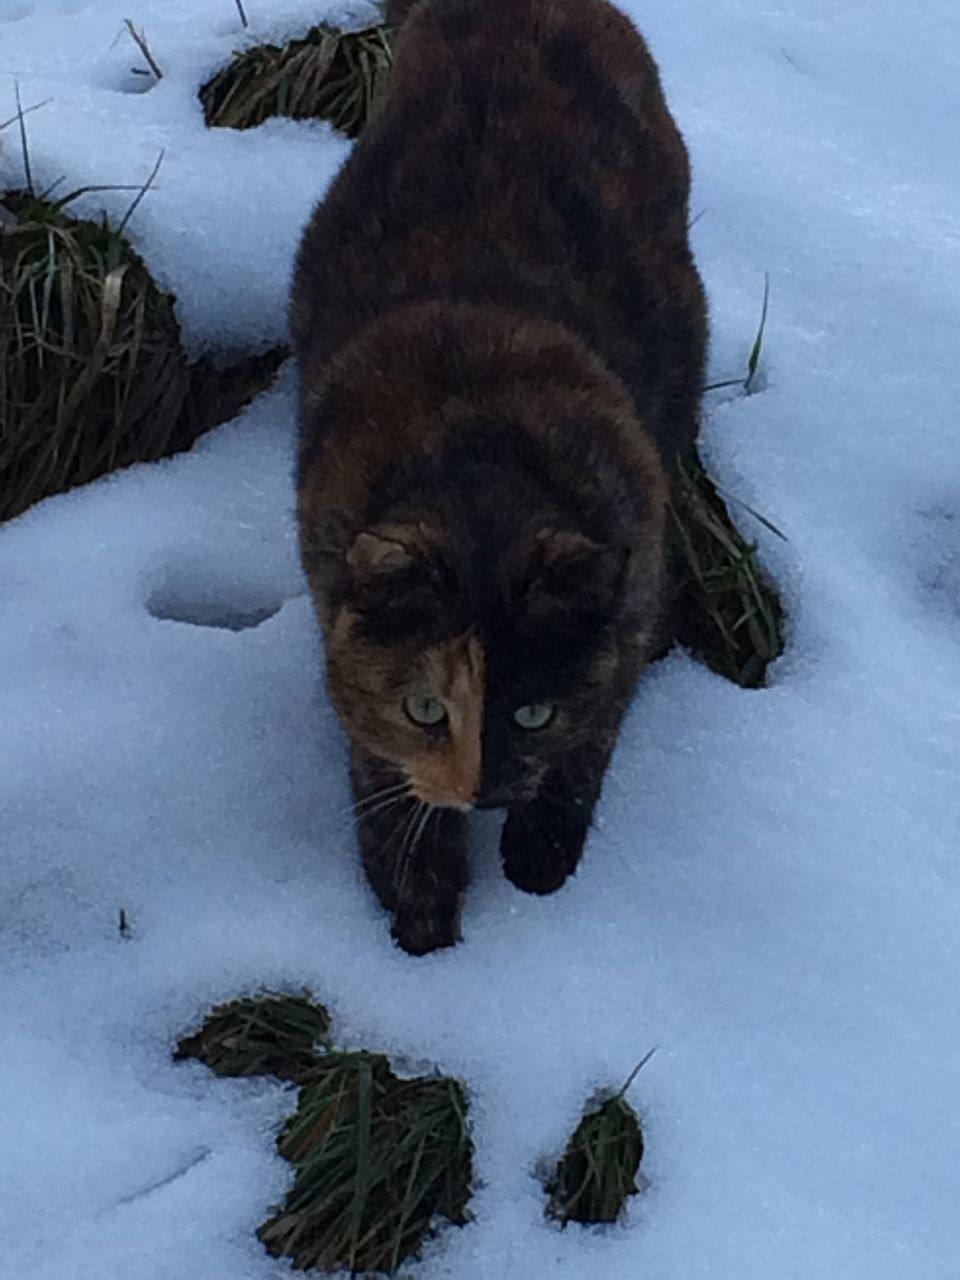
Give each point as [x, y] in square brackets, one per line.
[536, 715]
[425, 711]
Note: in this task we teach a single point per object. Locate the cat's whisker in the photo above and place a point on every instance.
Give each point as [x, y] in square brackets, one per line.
[362, 807]
[435, 813]
[335, 823]
[402, 825]
[401, 784]
[402, 867]
[357, 806]
[378, 802]
[411, 842]
[407, 816]
[431, 810]
[407, 812]
[380, 810]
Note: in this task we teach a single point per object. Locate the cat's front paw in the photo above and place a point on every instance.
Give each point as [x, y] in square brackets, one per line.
[419, 931]
[537, 857]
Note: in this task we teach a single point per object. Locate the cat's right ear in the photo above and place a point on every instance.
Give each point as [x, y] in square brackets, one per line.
[569, 573]
[388, 549]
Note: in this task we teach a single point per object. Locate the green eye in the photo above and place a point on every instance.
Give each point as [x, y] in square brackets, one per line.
[427, 711]
[537, 715]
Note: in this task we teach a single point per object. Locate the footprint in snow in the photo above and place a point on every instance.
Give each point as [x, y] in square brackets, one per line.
[199, 593]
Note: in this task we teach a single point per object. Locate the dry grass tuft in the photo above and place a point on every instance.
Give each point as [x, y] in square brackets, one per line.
[328, 75]
[92, 372]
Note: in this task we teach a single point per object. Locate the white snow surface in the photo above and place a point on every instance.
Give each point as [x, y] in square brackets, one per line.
[771, 893]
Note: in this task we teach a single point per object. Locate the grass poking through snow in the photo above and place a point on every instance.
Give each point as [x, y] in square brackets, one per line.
[378, 1159]
[140, 40]
[328, 75]
[753, 360]
[92, 373]
[262, 1035]
[727, 611]
[597, 1173]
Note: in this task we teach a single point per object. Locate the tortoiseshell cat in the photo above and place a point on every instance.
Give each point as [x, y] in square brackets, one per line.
[500, 333]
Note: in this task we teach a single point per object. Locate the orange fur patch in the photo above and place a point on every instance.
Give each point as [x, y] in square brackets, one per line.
[449, 773]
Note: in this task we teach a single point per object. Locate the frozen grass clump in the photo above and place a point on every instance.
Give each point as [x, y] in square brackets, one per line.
[327, 75]
[597, 1172]
[379, 1160]
[92, 372]
[727, 611]
[260, 1035]
[93, 375]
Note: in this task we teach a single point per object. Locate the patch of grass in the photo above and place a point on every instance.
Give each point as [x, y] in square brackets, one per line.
[597, 1173]
[727, 612]
[93, 375]
[327, 75]
[753, 359]
[377, 1160]
[261, 1035]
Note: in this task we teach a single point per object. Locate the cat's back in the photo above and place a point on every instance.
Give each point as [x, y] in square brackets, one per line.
[524, 157]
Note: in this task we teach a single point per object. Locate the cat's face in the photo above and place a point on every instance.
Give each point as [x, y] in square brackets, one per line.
[473, 684]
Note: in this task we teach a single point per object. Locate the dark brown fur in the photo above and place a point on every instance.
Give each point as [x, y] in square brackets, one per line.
[500, 333]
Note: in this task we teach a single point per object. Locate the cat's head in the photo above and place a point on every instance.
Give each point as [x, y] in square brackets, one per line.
[473, 679]
[482, 522]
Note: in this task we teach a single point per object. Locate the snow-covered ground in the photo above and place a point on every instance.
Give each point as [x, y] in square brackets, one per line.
[771, 895]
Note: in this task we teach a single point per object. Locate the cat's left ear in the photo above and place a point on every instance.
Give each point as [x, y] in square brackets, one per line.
[387, 549]
[570, 572]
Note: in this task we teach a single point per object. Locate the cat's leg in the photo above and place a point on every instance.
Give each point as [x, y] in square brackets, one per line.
[543, 838]
[432, 879]
[415, 858]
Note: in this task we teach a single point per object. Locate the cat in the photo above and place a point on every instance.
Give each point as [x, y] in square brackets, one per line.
[500, 335]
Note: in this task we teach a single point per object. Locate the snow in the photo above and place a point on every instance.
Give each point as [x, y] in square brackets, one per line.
[771, 895]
